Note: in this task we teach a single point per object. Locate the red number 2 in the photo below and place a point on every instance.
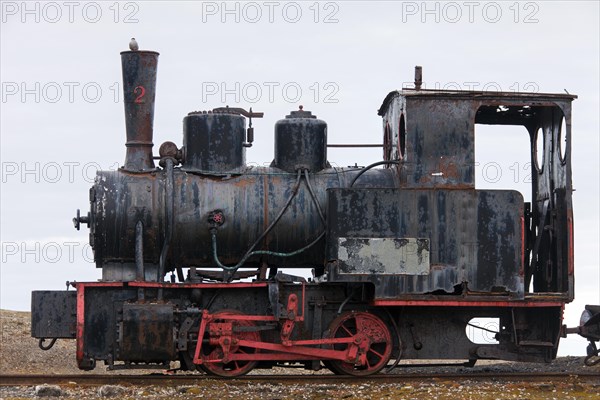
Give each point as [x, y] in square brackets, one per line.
[142, 93]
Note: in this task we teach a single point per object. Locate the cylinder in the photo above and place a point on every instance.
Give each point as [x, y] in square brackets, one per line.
[300, 142]
[139, 88]
[213, 142]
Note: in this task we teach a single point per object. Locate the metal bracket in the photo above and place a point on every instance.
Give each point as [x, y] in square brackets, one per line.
[182, 337]
[248, 114]
[288, 326]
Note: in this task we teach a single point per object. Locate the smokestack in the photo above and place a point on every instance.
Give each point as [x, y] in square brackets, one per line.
[139, 88]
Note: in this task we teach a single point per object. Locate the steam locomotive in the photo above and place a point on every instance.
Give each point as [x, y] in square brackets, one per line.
[402, 257]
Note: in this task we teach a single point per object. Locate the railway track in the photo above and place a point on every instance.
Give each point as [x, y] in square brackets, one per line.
[176, 380]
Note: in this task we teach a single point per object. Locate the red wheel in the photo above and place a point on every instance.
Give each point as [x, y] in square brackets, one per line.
[374, 336]
[210, 353]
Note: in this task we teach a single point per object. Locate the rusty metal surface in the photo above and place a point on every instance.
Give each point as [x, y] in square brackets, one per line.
[436, 152]
[437, 149]
[53, 314]
[475, 237]
[139, 90]
[214, 142]
[425, 331]
[147, 333]
[474, 95]
[247, 202]
[300, 142]
[409, 256]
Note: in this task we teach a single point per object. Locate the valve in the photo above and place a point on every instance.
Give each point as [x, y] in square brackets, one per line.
[216, 218]
[78, 220]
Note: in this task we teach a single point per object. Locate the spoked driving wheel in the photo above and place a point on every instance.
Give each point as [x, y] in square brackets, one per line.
[370, 334]
[241, 330]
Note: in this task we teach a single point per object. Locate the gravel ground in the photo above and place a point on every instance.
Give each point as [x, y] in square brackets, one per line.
[20, 354]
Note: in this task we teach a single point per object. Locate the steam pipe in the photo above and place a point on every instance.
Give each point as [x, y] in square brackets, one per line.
[139, 257]
[169, 210]
[139, 251]
[368, 167]
[314, 197]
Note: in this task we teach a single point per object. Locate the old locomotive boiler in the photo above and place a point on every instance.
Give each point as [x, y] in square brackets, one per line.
[403, 256]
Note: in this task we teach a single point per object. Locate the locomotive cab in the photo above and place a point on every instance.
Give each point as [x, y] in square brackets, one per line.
[525, 248]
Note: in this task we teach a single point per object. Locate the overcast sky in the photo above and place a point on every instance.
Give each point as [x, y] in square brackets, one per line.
[62, 112]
